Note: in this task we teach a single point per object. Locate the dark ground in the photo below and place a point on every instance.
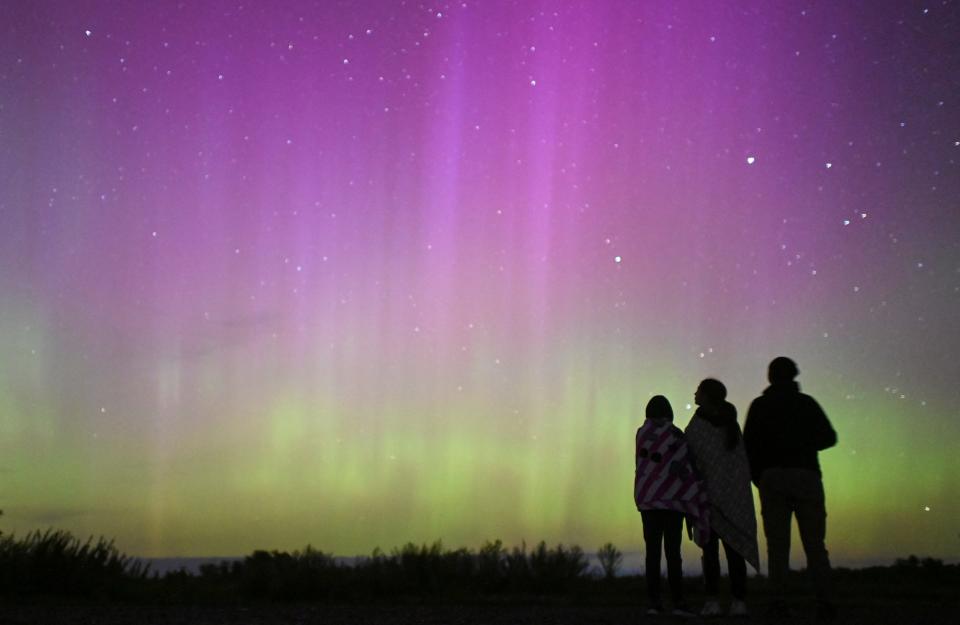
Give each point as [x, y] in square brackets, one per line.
[899, 595]
[877, 611]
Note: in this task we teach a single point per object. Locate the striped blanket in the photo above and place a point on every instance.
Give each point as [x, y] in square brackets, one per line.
[665, 479]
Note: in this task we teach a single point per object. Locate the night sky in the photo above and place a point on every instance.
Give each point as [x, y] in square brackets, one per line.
[363, 273]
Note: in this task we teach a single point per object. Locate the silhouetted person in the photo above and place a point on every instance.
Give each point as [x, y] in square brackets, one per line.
[719, 455]
[665, 488]
[783, 432]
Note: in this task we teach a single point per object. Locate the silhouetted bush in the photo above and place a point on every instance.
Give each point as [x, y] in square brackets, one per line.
[54, 562]
[610, 559]
[307, 574]
[555, 569]
[492, 567]
[913, 562]
[432, 570]
[412, 570]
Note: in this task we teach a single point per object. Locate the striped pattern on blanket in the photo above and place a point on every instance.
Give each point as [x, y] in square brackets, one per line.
[665, 479]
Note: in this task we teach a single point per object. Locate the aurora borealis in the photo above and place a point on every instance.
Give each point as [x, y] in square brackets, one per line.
[363, 273]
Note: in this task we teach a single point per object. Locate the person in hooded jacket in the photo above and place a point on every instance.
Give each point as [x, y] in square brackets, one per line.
[718, 452]
[783, 432]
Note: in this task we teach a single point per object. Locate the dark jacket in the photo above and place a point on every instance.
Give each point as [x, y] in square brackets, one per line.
[785, 428]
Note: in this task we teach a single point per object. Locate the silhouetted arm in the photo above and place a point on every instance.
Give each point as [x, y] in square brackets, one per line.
[636, 449]
[824, 436]
[692, 451]
[751, 441]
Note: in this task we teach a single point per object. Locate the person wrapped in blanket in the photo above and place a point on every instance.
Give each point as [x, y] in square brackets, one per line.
[719, 455]
[666, 488]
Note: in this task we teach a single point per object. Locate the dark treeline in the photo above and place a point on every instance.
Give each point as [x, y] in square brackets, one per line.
[55, 564]
[411, 570]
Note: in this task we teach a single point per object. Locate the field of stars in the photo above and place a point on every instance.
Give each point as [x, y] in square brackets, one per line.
[358, 273]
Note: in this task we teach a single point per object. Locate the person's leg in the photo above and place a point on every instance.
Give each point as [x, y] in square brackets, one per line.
[776, 510]
[711, 566]
[672, 537]
[812, 521]
[737, 569]
[711, 576]
[653, 537]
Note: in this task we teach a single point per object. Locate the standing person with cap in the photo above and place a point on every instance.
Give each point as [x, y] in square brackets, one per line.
[783, 432]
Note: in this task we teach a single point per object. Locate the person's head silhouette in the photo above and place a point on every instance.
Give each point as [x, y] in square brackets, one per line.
[659, 408]
[711, 392]
[782, 370]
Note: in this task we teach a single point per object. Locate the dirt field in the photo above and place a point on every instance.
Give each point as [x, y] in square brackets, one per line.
[879, 613]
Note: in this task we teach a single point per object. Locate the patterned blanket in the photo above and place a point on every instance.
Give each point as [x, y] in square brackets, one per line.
[665, 479]
[727, 477]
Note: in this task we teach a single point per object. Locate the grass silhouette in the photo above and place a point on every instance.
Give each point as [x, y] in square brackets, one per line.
[411, 570]
[54, 564]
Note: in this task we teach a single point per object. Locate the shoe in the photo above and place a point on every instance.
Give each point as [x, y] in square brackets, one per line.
[711, 608]
[738, 608]
[826, 611]
[682, 612]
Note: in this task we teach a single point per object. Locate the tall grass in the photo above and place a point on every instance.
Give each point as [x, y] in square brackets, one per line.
[411, 570]
[54, 562]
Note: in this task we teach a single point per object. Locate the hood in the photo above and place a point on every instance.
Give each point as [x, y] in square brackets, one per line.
[783, 388]
[718, 416]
